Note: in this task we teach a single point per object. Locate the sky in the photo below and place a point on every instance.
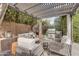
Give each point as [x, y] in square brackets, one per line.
[51, 19]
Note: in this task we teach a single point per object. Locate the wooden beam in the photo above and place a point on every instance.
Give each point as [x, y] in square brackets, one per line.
[4, 8]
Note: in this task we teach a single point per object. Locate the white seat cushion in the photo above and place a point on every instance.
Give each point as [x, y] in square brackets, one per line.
[26, 42]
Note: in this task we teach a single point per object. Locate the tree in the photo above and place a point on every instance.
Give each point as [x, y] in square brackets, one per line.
[61, 24]
[10, 14]
[13, 15]
[45, 25]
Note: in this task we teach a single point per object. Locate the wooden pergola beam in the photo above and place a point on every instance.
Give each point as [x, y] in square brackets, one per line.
[3, 11]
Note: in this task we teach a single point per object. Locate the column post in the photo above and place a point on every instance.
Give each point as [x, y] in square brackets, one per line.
[40, 28]
[69, 33]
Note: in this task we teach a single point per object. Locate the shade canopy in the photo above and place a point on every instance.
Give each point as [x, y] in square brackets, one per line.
[46, 10]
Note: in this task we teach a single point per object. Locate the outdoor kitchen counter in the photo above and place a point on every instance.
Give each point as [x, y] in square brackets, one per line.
[6, 43]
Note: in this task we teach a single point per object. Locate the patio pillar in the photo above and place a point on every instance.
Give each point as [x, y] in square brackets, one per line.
[40, 28]
[69, 33]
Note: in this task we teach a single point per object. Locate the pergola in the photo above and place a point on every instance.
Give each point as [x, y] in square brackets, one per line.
[46, 10]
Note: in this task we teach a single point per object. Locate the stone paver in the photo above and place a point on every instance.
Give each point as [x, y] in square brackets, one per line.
[75, 49]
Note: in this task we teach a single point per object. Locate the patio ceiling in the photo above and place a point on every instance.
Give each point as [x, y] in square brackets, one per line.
[46, 10]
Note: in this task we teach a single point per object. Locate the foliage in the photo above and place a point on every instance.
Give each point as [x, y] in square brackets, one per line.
[57, 24]
[10, 15]
[19, 17]
[61, 24]
[45, 25]
[76, 26]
